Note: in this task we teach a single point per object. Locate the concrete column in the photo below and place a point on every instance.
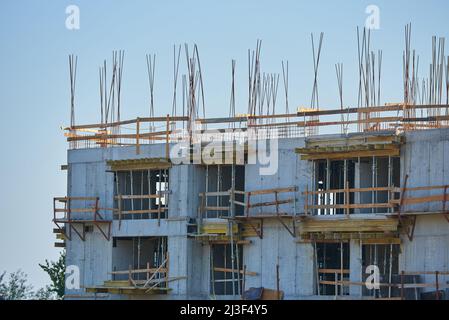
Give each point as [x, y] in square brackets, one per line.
[355, 267]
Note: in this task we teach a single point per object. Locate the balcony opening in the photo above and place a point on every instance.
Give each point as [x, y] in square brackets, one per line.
[332, 260]
[386, 258]
[141, 194]
[226, 269]
[138, 259]
[356, 185]
[220, 180]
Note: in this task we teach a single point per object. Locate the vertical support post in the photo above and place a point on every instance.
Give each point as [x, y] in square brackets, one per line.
[132, 193]
[130, 278]
[167, 135]
[248, 203]
[347, 197]
[346, 186]
[336, 284]
[317, 274]
[390, 176]
[148, 271]
[357, 184]
[218, 187]
[277, 283]
[244, 280]
[373, 181]
[328, 180]
[117, 197]
[313, 185]
[444, 199]
[231, 227]
[141, 193]
[390, 270]
[138, 256]
[232, 193]
[237, 254]
[159, 195]
[119, 210]
[277, 202]
[295, 211]
[437, 286]
[401, 201]
[341, 268]
[69, 216]
[138, 136]
[306, 206]
[96, 212]
[402, 285]
[167, 266]
[205, 204]
[69, 211]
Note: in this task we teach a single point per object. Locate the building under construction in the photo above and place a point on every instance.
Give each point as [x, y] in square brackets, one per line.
[179, 207]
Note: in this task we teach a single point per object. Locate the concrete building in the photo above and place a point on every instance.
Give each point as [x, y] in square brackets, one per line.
[337, 210]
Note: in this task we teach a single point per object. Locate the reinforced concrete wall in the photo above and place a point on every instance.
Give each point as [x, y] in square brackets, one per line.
[424, 157]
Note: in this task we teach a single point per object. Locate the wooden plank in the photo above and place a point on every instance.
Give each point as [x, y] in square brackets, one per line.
[382, 241]
[227, 270]
[148, 270]
[270, 294]
[216, 208]
[240, 203]
[271, 203]
[215, 193]
[352, 206]
[350, 190]
[77, 210]
[146, 196]
[143, 211]
[422, 188]
[406, 201]
[63, 199]
[333, 271]
[417, 273]
[348, 225]
[352, 154]
[268, 191]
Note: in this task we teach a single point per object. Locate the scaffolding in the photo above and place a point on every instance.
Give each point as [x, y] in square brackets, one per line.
[87, 213]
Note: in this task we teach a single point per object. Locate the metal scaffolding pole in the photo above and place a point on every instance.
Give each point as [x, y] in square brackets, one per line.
[132, 193]
[328, 179]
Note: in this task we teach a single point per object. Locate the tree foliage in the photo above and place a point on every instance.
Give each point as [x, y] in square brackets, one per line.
[16, 287]
[56, 272]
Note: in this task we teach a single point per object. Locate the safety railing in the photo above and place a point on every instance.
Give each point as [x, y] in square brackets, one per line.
[339, 201]
[85, 211]
[156, 277]
[405, 284]
[157, 211]
[226, 202]
[166, 129]
[410, 200]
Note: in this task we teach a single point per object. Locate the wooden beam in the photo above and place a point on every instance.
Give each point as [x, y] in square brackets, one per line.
[248, 273]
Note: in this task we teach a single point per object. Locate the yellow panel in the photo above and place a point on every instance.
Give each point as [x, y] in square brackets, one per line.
[348, 225]
[139, 164]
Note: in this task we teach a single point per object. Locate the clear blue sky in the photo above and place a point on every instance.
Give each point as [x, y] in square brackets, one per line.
[34, 83]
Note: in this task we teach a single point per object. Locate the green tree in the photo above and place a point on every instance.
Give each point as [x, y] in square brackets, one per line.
[44, 294]
[17, 287]
[56, 272]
